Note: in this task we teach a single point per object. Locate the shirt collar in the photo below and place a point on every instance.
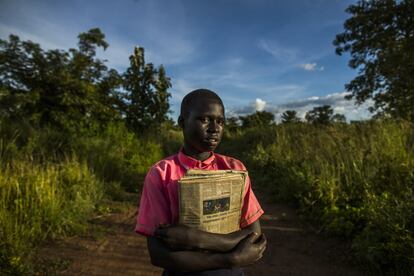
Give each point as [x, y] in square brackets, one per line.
[189, 162]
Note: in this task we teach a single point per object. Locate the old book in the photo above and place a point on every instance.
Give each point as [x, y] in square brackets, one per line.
[212, 200]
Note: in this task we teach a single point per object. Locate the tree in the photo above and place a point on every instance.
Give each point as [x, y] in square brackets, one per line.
[320, 115]
[232, 124]
[258, 119]
[161, 104]
[290, 116]
[338, 118]
[380, 39]
[146, 93]
[68, 90]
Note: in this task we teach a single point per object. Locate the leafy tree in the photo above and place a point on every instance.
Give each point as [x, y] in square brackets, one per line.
[338, 118]
[324, 115]
[146, 93]
[320, 115]
[379, 36]
[68, 90]
[290, 116]
[258, 119]
[161, 106]
[232, 123]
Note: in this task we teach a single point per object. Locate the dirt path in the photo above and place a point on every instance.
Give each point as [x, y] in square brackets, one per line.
[112, 248]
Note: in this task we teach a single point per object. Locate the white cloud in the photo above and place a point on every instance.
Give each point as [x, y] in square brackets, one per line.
[311, 67]
[259, 104]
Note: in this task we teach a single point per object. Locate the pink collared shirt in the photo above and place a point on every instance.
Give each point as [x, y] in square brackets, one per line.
[159, 199]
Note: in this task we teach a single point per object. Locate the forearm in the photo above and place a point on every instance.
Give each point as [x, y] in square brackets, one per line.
[218, 242]
[183, 261]
[182, 238]
[222, 242]
[247, 251]
[188, 261]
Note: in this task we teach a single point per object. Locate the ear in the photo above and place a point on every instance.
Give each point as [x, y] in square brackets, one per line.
[181, 121]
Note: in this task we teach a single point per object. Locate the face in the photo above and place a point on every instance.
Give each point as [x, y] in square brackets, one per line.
[203, 127]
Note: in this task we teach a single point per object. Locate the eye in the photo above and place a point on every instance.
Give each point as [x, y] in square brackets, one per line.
[220, 122]
[204, 120]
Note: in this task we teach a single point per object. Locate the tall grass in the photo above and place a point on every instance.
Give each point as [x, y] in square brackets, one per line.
[355, 181]
[51, 182]
[118, 157]
[39, 202]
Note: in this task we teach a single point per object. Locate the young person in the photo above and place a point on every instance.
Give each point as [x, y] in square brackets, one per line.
[182, 250]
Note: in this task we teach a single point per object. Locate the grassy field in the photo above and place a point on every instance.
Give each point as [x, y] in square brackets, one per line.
[353, 181]
[51, 184]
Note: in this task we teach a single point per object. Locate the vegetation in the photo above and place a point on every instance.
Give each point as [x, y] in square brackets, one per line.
[260, 118]
[69, 139]
[74, 132]
[290, 116]
[379, 36]
[148, 98]
[323, 115]
[354, 181]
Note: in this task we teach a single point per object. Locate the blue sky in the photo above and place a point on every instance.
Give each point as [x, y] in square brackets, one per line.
[256, 54]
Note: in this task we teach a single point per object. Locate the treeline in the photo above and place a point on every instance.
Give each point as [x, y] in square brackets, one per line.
[74, 91]
[319, 115]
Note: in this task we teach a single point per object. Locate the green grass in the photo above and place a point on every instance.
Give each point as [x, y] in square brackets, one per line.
[354, 181]
[42, 201]
[51, 183]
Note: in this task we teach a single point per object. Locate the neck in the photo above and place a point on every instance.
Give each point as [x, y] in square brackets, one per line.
[195, 154]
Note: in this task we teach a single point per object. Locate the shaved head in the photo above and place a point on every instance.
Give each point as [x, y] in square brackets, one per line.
[189, 101]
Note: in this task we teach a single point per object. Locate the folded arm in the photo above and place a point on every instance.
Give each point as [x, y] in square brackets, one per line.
[246, 252]
[178, 237]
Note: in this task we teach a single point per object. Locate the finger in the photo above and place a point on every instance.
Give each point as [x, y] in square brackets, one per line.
[262, 243]
[253, 237]
[258, 257]
[262, 239]
[262, 249]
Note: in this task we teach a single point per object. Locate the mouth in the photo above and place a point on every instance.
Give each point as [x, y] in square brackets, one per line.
[212, 140]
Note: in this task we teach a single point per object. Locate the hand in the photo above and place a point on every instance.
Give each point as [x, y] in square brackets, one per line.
[176, 237]
[249, 250]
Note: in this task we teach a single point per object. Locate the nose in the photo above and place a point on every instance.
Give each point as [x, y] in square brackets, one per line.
[213, 126]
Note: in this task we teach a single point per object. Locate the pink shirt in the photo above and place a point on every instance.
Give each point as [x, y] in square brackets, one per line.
[159, 199]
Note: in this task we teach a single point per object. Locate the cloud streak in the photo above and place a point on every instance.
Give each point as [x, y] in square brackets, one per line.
[278, 52]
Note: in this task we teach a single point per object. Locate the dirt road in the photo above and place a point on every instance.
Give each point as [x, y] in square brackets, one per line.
[112, 248]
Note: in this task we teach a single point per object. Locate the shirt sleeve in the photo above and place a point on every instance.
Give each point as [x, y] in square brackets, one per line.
[251, 210]
[153, 208]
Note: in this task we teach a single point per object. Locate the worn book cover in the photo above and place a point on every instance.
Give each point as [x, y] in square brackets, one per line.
[212, 200]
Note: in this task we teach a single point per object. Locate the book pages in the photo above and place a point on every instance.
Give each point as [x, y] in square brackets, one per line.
[212, 200]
